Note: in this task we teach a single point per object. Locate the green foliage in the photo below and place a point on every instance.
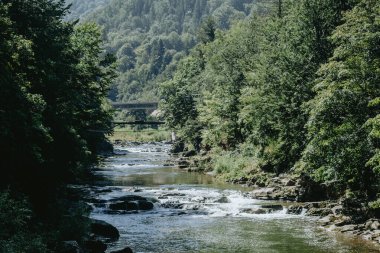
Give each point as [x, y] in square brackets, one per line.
[149, 37]
[340, 142]
[295, 87]
[54, 79]
[230, 165]
[15, 222]
[144, 135]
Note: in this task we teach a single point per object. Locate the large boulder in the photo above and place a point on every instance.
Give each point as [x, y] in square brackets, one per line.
[144, 205]
[124, 206]
[104, 229]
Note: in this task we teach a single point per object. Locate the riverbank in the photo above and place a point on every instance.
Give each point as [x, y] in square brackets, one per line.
[349, 216]
[129, 134]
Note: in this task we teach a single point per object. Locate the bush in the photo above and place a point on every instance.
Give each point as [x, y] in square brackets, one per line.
[16, 232]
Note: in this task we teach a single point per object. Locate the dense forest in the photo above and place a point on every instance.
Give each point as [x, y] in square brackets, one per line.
[291, 90]
[149, 37]
[54, 79]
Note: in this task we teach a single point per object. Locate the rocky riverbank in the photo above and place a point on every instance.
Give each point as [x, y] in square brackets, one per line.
[100, 233]
[348, 216]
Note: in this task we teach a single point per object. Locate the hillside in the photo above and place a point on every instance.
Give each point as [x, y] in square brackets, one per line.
[80, 8]
[149, 37]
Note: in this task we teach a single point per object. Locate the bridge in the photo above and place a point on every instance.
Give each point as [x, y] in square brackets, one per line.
[139, 122]
[136, 106]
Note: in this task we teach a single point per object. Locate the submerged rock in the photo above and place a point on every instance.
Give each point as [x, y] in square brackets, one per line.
[222, 200]
[273, 207]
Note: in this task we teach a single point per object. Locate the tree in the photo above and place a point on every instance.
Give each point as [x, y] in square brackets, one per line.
[346, 103]
[207, 31]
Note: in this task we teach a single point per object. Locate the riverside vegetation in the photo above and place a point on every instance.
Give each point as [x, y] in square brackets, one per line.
[54, 79]
[291, 92]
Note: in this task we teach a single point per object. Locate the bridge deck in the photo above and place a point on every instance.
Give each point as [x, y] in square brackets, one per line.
[136, 106]
[139, 123]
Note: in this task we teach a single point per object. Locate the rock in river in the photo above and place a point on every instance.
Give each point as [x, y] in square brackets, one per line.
[104, 229]
[131, 203]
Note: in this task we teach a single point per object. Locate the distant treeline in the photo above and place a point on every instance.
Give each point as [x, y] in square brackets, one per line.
[54, 79]
[294, 89]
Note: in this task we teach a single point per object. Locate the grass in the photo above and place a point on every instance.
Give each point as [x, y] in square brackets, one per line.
[229, 166]
[129, 134]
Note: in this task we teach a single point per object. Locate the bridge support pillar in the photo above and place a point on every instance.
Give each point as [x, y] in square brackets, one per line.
[174, 137]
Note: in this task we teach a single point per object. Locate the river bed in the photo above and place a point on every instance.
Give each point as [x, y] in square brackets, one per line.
[194, 213]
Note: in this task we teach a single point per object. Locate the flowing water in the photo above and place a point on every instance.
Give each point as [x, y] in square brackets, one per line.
[193, 213]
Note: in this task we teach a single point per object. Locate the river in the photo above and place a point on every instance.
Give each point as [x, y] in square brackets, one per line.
[194, 213]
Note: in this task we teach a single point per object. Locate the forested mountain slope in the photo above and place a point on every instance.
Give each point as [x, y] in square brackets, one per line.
[149, 37]
[80, 8]
[293, 92]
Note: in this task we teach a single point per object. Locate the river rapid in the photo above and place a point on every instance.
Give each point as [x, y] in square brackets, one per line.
[194, 213]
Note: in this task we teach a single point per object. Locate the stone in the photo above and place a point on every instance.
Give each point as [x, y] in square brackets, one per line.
[376, 233]
[273, 207]
[375, 225]
[95, 246]
[172, 205]
[325, 221]
[128, 198]
[288, 182]
[104, 229]
[265, 194]
[145, 205]
[294, 209]
[256, 211]
[342, 220]
[318, 211]
[348, 228]
[125, 250]
[337, 210]
[223, 199]
[124, 206]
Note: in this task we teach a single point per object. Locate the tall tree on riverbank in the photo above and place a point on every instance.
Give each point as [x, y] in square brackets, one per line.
[306, 99]
[53, 111]
[346, 106]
